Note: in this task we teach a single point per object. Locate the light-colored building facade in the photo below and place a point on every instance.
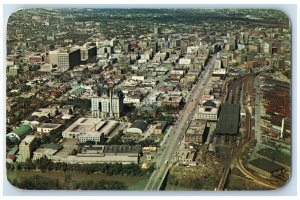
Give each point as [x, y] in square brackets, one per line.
[64, 58]
[90, 129]
[208, 111]
[26, 148]
[47, 127]
[108, 105]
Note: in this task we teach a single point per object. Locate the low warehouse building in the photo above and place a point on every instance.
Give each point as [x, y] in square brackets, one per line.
[47, 127]
[265, 167]
[47, 150]
[227, 127]
[275, 156]
[104, 154]
[90, 129]
[137, 127]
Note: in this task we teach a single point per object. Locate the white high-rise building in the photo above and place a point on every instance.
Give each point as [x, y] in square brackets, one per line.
[108, 105]
[53, 57]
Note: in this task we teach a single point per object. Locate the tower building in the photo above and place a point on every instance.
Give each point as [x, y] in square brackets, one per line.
[108, 103]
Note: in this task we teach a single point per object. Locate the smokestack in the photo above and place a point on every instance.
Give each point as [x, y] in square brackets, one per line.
[282, 127]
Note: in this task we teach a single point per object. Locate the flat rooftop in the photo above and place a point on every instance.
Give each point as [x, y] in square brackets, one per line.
[276, 156]
[266, 165]
[112, 149]
[45, 151]
[49, 125]
[28, 139]
[85, 125]
[228, 123]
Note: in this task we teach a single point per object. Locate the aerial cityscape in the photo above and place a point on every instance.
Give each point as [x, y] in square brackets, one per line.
[148, 99]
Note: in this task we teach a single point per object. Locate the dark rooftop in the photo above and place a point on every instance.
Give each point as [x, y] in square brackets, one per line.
[266, 165]
[113, 148]
[52, 146]
[122, 149]
[275, 155]
[140, 124]
[228, 123]
[49, 125]
[209, 104]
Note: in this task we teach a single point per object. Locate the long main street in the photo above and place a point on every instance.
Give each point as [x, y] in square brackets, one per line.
[171, 146]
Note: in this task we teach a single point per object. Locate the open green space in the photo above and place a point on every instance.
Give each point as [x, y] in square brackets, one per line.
[130, 182]
[240, 183]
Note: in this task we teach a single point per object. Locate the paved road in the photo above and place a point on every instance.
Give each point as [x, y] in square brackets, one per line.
[257, 111]
[172, 145]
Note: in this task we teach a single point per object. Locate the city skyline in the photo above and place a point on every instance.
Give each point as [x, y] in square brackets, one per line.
[152, 99]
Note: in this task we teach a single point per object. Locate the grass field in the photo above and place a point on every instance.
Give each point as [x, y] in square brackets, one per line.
[133, 183]
[170, 187]
[240, 183]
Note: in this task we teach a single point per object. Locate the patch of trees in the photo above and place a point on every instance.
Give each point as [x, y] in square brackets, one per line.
[109, 169]
[117, 140]
[38, 182]
[148, 142]
[148, 117]
[102, 185]
[79, 103]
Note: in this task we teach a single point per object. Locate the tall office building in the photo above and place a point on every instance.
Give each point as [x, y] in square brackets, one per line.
[109, 103]
[157, 30]
[65, 58]
[88, 53]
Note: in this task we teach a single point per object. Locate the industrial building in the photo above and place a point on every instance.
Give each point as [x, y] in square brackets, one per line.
[90, 129]
[103, 154]
[46, 150]
[47, 127]
[137, 127]
[275, 156]
[265, 167]
[228, 125]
